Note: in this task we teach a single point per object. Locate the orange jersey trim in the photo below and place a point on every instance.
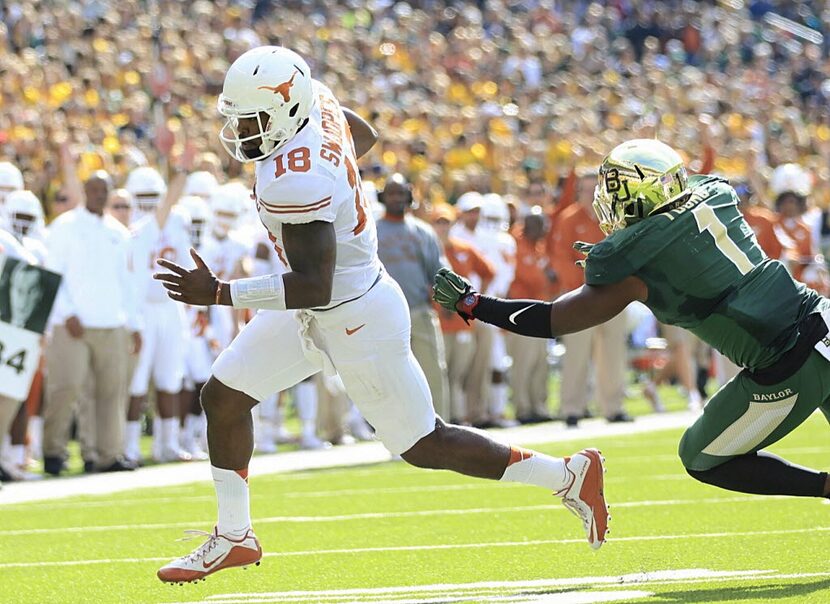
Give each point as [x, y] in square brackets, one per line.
[295, 209]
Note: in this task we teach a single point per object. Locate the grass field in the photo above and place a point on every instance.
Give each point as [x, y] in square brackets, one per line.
[391, 533]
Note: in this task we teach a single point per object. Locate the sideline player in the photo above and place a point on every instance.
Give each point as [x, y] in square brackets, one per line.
[683, 249]
[351, 317]
[158, 232]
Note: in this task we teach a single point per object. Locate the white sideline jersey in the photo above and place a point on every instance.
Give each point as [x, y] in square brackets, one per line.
[314, 177]
[223, 255]
[150, 243]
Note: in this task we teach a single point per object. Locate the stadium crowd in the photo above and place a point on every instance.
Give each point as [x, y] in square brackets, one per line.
[493, 117]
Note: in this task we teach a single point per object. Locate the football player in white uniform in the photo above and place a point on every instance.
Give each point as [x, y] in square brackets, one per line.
[200, 341]
[225, 252]
[348, 316]
[158, 232]
[24, 214]
[499, 247]
[25, 217]
[11, 179]
[201, 184]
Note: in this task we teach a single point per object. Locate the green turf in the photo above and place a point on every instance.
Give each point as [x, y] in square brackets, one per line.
[392, 516]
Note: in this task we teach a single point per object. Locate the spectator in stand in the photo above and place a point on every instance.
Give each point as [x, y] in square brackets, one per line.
[534, 280]
[459, 339]
[605, 343]
[410, 251]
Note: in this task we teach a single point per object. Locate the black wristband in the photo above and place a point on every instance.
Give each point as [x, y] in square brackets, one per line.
[525, 317]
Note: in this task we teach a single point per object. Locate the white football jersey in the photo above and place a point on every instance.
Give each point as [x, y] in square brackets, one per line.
[500, 249]
[150, 243]
[223, 255]
[11, 247]
[314, 177]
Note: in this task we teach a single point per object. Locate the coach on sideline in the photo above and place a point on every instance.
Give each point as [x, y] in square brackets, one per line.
[95, 306]
[410, 251]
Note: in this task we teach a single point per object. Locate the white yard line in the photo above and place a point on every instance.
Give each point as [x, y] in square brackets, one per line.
[369, 492]
[361, 454]
[45, 565]
[631, 578]
[515, 591]
[556, 507]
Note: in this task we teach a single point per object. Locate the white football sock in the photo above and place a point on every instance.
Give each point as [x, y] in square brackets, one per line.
[232, 500]
[36, 437]
[158, 443]
[189, 435]
[200, 431]
[6, 450]
[695, 401]
[18, 455]
[530, 467]
[305, 399]
[170, 433]
[499, 400]
[132, 440]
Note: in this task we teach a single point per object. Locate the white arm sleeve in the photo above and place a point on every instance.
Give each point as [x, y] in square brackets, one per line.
[266, 292]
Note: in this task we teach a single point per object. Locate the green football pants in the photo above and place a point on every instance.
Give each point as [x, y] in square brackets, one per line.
[743, 416]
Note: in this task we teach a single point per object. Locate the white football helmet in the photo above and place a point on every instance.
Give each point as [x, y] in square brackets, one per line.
[469, 201]
[227, 204]
[147, 187]
[200, 183]
[25, 213]
[494, 213]
[790, 178]
[197, 214]
[271, 80]
[11, 179]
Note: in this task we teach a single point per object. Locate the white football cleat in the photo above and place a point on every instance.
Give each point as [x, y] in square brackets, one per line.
[170, 454]
[313, 443]
[360, 429]
[266, 447]
[217, 553]
[585, 496]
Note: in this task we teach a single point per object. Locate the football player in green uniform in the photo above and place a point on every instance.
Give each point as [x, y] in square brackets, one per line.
[681, 246]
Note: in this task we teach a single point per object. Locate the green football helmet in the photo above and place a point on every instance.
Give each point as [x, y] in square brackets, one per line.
[637, 179]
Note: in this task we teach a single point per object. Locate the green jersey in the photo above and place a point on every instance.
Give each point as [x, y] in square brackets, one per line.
[706, 273]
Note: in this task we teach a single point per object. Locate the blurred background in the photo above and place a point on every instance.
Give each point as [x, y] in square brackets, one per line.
[500, 91]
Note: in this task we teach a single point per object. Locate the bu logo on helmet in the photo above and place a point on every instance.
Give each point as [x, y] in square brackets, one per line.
[284, 89]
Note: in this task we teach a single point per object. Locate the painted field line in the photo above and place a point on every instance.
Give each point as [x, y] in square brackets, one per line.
[424, 488]
[566, 597]
[383, 515]
[466, 591]
[411, 548]
[630, 578]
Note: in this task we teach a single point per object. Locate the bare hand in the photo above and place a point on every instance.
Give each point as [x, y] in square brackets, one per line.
[197, 286]
[74, 327]
[136, 338]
